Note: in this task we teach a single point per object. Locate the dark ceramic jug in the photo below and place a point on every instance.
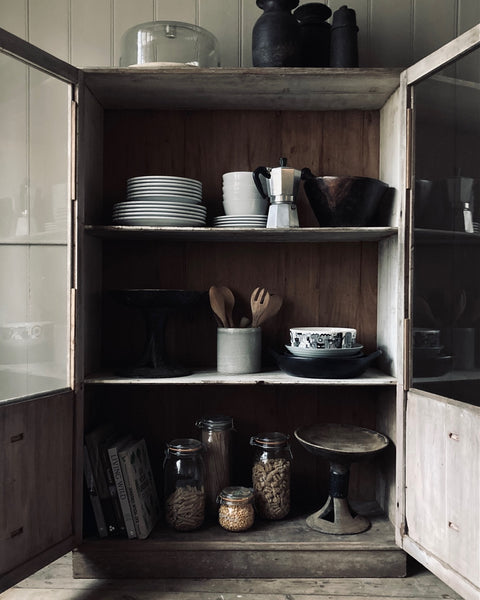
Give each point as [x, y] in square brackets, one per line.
[276, 35]
[344, 44]
[314, 34]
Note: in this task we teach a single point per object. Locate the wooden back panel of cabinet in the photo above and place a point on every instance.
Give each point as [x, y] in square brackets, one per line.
[205, 144]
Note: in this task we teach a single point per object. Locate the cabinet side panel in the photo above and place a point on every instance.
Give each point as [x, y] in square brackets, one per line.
[426, 492]
[89, 203]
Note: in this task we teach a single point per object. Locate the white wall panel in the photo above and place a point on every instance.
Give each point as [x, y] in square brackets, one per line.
[222, 19]
[126, 14]
[468, 14]
[13, 16]
[48, 26]
[249, 15]
[88, 32]
[91, 33]
[392, 43]
[177, 10]
[435, 24]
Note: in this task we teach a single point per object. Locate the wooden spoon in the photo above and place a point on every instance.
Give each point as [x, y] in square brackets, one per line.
[259, 301]
[217, 302]
[228, 302]
[274, 305]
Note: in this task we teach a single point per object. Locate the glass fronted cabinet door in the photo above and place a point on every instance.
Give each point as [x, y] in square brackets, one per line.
[37, 397]
[442, 428]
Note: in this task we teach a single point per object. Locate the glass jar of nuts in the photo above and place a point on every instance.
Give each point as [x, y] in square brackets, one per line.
[236, 512]
[184, 484]
[271, 474]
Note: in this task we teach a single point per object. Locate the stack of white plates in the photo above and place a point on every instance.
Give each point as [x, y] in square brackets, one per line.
[325, 352]
[241, 221]
[161, 201]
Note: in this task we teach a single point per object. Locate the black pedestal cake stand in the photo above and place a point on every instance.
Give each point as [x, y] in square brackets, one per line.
[341, 445]
[156, 307]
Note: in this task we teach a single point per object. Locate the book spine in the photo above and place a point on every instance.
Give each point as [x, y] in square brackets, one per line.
[94, 498]
[122, 493]
[129, 486]
[112, 489]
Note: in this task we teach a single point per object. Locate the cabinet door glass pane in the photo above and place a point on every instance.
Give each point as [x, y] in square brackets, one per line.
[35, 159]
[446, 286]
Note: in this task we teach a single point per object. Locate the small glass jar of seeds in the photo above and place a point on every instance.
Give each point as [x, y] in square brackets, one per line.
[236, 512]
[184, 484]
[271, 474]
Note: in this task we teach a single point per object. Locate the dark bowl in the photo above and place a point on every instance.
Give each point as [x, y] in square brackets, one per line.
[343, 201]
[435, 366]
[325, 367]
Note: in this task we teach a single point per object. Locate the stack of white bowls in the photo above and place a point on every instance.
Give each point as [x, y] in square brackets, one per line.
[242, 202]
[161, 200]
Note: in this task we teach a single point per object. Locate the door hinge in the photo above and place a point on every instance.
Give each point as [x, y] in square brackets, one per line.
[409, 153]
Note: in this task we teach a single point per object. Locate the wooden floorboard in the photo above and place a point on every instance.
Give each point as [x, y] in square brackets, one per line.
[55, 582]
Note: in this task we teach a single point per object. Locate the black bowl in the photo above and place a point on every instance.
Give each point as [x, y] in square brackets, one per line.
[325, 367]
[343, 201]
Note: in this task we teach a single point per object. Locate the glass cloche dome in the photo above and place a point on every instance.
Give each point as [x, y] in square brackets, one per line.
[169, 43]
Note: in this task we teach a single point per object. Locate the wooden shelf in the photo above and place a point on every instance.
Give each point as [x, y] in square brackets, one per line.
[370, 377]
[444, 236]
[242, 88]
[269, 549]
[210, 234]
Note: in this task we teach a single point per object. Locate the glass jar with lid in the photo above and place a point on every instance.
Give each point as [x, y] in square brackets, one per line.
[184, 484]
[216, 438]
[236, 512]
[271, 474]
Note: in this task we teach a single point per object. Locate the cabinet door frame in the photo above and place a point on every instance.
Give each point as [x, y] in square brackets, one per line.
[411, 398]
[32, 56]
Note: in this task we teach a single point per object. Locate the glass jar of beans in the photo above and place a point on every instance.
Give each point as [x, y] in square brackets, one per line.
[271, 474]
[184, 484]
[235, 512]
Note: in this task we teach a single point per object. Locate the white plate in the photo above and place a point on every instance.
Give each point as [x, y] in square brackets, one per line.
[161, 179]
[161, 198]
[162, 188]
[165, 189]
[150, 215]
[197, 198]
[201, 210]
[240, 225]
[249, 219]
[323, 352]
[159, 213]
[159, 221]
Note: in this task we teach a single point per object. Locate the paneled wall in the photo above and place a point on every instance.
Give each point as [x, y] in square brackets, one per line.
[392, 33]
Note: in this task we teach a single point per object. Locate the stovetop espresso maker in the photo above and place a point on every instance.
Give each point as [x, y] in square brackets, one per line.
[282, 186]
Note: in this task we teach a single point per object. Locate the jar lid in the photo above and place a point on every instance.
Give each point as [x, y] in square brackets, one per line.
[236, 493]
[215, 422]
[185, 446]
[313, 11]
[272, 439]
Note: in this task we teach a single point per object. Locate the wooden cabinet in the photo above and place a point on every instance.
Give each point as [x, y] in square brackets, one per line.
[200, 124]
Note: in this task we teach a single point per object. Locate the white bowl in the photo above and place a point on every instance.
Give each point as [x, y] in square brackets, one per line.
[237, 177]
[246, 205]
[323, 337]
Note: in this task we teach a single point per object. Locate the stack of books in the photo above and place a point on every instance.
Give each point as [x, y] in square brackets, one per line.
[120, 483]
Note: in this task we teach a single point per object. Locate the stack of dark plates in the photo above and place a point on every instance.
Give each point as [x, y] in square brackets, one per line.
[331, 363]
